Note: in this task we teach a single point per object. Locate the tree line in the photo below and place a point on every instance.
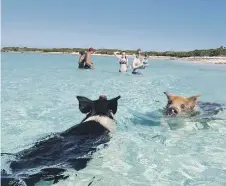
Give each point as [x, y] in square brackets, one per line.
[221, 51]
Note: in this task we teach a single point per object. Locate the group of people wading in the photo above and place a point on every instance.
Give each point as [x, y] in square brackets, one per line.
[139, 62]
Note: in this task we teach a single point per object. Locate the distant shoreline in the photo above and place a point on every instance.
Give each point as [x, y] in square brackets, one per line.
[201, 59]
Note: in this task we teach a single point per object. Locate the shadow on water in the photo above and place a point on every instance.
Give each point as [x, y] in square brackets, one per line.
[205, 113]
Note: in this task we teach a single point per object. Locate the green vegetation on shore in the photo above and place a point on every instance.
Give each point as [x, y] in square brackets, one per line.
[221, 51]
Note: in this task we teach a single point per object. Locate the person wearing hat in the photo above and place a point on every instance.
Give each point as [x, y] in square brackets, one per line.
[86, 62]
[137, 62]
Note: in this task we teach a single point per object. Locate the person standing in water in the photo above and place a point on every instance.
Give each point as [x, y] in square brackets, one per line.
[145, 60]
[123, 61]
[137, 62]
[85, 60]
[81, 59]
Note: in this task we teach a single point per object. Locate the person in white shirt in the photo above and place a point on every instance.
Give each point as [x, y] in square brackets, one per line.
[123, 61]
[137, 62]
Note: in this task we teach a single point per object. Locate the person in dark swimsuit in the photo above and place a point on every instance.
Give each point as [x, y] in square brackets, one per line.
[123, 61]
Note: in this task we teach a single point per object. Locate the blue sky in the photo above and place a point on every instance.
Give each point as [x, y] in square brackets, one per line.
[158, 25]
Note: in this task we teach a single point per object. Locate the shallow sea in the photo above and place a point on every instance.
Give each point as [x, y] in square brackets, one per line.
[38, 97]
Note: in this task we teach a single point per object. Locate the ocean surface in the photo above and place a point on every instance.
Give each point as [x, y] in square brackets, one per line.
[38, 97]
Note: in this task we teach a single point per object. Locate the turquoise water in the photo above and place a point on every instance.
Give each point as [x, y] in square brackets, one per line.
[39, 97]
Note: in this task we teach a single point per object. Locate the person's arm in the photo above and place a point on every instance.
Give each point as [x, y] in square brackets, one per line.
[116, 54]
[134, 66]
[88, 61]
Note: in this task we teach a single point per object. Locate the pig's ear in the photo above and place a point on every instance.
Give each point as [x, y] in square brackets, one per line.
[194, 98]
[85, 104]
[113, 104]
[192, 101]
[169, 96]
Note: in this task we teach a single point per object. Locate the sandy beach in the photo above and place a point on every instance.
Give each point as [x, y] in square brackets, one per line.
[205, 59]
[214, 60]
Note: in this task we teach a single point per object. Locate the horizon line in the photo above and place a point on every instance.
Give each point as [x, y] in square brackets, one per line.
[108, 48]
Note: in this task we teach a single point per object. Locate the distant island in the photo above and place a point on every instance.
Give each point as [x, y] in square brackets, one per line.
[221, 51]
[217, 55]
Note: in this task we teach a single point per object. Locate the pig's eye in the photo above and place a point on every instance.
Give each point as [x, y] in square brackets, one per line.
[182, 106]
